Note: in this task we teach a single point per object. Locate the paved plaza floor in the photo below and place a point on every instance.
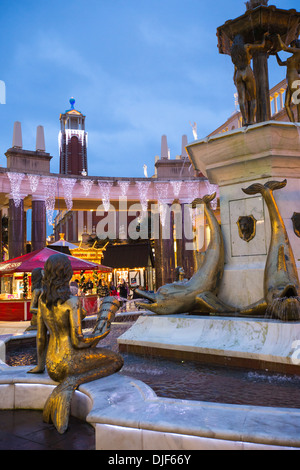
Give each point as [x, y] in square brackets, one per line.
[25, 430]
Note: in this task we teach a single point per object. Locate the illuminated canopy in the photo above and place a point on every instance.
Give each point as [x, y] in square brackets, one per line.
[37, 259]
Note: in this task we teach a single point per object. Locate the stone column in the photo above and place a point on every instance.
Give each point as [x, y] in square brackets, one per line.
[16, 229]
[187, 251]
[38, 225]
[167, 250]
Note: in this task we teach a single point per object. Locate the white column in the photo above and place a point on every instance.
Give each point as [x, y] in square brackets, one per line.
[80, 225]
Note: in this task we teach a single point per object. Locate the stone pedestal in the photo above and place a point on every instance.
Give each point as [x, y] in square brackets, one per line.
[26, 160]
[229, 341]
[235, 160]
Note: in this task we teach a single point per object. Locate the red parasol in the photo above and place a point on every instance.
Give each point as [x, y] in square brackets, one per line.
[36, 259]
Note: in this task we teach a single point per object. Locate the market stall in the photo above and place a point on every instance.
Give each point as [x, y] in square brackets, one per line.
[16, 282]
[132, 263]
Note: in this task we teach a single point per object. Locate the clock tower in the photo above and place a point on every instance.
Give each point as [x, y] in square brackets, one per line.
[72, 142]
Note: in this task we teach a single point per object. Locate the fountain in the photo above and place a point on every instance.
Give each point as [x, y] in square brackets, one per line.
[222, 315]
[254, 316]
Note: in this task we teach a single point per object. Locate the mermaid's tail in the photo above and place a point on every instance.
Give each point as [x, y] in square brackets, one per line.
[58, 405]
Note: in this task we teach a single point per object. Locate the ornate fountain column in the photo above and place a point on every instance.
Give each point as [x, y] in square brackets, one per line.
[264, 152]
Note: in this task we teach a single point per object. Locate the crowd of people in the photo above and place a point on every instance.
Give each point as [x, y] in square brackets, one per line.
[102, 288]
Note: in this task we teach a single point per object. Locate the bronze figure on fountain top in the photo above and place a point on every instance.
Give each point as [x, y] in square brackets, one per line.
[292, 76]
[244, 79]
[253, 26]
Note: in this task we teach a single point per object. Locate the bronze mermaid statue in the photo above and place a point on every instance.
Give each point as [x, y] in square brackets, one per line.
[70, 357]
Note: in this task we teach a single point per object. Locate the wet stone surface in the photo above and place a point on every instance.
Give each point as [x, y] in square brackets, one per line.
[25, 430]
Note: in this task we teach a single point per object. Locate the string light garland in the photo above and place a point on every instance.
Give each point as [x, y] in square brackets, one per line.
[15, 186]
[33, 181]
[105, 188]
[50, 184]
[87, 186]
[176, 188]
[68, 185]
[192, 190]
[162, 197]
[143, 188]
[124, 185]
[212, 188]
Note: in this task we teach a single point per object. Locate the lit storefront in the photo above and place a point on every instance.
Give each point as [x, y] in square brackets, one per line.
[131, 262]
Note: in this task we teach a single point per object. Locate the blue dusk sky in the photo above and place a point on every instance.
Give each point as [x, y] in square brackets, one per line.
[137, 69]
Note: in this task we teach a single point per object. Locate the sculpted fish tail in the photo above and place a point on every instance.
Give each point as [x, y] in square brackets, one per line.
[272, 185]
[261, 188]
[254, 189]
[204, 200]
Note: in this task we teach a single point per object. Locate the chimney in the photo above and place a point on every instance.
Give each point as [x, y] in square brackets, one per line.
[164, 147]
[184, 143]
[17, 136]
[40, 139]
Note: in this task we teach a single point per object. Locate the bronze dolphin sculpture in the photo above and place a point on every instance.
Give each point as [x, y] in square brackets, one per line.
[281, 282]
[199, 294]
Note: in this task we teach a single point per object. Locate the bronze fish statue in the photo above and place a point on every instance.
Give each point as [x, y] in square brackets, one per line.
[281, 281]
[199, 294]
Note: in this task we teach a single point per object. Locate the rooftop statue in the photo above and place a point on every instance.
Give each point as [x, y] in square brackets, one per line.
[71, 358]
[292, 75]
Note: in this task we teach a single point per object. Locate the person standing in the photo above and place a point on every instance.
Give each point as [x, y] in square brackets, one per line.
[123, 289]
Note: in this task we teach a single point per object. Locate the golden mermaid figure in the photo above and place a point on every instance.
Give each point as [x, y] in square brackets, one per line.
[70, 357]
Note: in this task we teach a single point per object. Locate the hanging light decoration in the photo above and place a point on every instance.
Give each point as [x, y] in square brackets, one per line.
[49, 192]
[87, 186]
[212, 188]
[162, 197]
[105, 188]
[68, 185]
[124, 185]
[176, 188]
[15, 186]
[33, 181]
[192, 190]
[143, 188]
[161, 191]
